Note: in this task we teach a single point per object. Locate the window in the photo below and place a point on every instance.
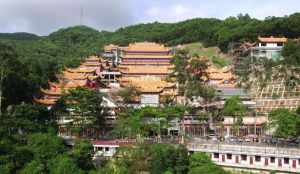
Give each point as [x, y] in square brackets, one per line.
[216, 155]
[229, 156]
[280, 44]
[257, 158]
[244, 157]
[272, 159]
[286, 160]
[263, 44]
[106, 149]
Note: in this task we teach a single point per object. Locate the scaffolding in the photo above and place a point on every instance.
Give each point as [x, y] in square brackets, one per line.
[275, 94]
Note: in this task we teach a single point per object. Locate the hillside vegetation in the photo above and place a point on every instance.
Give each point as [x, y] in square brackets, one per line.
[213, 53]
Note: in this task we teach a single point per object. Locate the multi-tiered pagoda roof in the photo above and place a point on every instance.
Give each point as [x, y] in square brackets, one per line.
[71, 78]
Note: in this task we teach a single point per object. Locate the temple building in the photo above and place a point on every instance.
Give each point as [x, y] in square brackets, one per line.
[268, 47]
[71, 78]
[153, 90]
[221, 77]
[145, 65]
[145, 58]
[112, 52]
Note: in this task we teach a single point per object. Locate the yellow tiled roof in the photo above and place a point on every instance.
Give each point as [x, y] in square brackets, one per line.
[146, 84]
[146, 56]
[144, 63]
[45, 101]
[90, 64]
[110, 47]
[74, 76]
[81, 70]
[221, 76]
[145, 69]
[146, 46]
[92, 58]
[68, 84]
[58, 91]
[272, 39]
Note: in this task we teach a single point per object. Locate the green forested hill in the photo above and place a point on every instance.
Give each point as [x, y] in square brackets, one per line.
[19, 36]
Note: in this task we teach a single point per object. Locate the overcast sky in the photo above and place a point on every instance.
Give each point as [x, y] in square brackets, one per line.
[45, 16]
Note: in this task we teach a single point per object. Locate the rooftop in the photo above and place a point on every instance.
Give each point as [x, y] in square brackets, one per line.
[110, 47]
[146, 84]
[146, 69]
[81, 70]
[92, 58]
[147, 56]
[45, 101]
[146, 46]
[272, 39]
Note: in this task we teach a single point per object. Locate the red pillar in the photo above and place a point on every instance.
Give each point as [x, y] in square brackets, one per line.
[236, 159]
[294, 164]
[266, 162]
[251, 160]
[279, 163]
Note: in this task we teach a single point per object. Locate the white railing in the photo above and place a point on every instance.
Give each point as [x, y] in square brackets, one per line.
[246, 149]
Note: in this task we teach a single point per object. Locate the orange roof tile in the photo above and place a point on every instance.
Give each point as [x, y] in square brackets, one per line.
[272, 39]
[110, 47]
[145, 69]
[45, 101]
[144, 63]
[57, 91]
[146, 46]
[74, 76]
[92, 58]
[146, 56]
[87, 64]
[68, 84]
[81, 70]
[146, 84]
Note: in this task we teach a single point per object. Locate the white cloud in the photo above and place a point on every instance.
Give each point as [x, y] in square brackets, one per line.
[172, 13]
[44, 16]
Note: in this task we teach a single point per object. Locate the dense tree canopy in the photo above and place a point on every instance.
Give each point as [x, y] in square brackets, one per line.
[84, 107]
[147, 121]
[285, 123]
[200, 163]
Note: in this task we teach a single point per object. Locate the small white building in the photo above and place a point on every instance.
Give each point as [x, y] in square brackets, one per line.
[268, 47]
[105, 148]
[108, 148]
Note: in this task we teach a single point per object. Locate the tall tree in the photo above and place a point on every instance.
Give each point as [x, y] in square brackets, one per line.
[200, 163]
[285, 123]
[84, 107]
[235, 108]
[82, 154]
[8, 60]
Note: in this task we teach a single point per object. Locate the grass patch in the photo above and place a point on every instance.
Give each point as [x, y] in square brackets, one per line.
[220, 62]
[213, 53]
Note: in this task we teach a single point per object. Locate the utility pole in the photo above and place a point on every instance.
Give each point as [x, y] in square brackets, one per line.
[81, 14]
[1, 88]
